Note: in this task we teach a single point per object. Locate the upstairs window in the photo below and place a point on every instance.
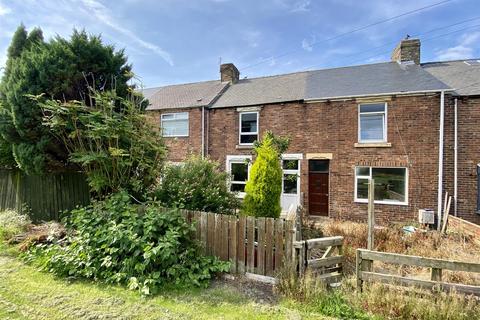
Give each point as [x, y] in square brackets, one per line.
[391, 184]
[372, 123]
[248, 127]
[175, 124]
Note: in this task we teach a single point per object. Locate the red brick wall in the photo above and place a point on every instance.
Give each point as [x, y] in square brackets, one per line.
[468, 155]
[179, 148]
[413, 124]
[331, 127]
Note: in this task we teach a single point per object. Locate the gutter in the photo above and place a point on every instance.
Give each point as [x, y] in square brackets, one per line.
[311, 100]
[440, 159]
[455, 158]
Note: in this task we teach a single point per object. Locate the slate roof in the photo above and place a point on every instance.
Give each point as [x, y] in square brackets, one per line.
[362, 80]
[255, 91]
[148, 92]
[370, 79]
[459, 75]
[188, 95]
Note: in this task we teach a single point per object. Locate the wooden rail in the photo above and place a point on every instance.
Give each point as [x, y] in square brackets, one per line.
[365, 259]
[323, 256]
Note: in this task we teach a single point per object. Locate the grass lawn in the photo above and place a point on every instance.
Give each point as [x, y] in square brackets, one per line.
[26, 293]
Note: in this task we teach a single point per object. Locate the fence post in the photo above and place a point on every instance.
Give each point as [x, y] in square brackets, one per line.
[359, 270]
[371, 214]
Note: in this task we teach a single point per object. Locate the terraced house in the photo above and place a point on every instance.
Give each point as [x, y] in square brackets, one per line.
[413, 127]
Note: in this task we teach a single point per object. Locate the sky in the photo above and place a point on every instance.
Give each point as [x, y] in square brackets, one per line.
[180, 41]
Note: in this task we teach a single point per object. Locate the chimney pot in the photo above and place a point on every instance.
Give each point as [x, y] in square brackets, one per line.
[229, 73]
[407, 50]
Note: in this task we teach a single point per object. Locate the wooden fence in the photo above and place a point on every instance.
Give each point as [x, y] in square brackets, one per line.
[323, 256]
[44, 196]
[253, 245]
[365, 259]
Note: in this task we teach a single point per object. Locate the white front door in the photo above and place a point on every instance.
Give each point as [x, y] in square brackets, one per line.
[290, 198]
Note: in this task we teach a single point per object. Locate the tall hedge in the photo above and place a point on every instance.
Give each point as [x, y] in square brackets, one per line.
[264, 185]
[61, 69]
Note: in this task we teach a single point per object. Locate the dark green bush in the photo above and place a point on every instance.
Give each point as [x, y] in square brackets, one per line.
[142, 247]
[197, 184]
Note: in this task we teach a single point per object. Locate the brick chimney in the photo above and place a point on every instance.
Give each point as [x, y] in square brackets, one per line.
[229, 73]
[407, 50]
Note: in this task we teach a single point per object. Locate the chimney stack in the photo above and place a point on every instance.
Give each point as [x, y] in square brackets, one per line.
[407, 50]
[229, 73]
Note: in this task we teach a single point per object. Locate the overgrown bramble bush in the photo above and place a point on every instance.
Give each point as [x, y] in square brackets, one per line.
[12, 223]
[197, 184]
[135, 245]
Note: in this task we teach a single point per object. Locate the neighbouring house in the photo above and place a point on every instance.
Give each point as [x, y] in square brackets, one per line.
[413, 127]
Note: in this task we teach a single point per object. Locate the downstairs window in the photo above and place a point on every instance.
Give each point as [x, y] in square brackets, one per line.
[391, 184]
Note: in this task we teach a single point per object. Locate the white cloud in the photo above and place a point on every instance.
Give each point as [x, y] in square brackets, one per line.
[463, 50]
[252, 38]
[103, 14]
[4, 10]
[301, 6]
[294, 5]
[455, 53]
[307, 44]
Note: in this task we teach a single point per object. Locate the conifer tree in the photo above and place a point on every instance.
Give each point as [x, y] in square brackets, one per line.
[61, 69]
[264, 185]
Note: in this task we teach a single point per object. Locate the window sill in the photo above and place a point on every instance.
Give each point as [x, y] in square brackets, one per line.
[373, 145]
[169, 137]
[383, 202]
[244, 146]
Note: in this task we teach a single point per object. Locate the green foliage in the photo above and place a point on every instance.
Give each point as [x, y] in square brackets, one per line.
[197, 184]
[61, 69]
[117, 242]
[279, 143]
[264, 185]
[12, 223]
[112, 141]
[310, 294]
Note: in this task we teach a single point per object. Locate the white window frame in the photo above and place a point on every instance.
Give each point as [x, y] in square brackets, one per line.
[240, 134]
[238, 159]
[385, 122]
[292, 156]
[175, 114]
[405, 203]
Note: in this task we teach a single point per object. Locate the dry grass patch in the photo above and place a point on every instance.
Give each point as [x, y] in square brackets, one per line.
[455, 245]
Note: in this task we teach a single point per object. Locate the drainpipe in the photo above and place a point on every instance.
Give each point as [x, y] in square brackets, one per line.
[455, 159]
[203, 132]
[440, 160]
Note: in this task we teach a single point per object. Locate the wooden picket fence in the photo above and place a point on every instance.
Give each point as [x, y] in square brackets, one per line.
[254, 245]
[365, 259]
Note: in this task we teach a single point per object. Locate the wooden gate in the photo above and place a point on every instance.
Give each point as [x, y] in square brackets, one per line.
[254, 245]
[322, 256]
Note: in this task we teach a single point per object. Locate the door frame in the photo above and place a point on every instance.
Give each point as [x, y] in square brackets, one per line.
[299, 157]
[329, 185]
